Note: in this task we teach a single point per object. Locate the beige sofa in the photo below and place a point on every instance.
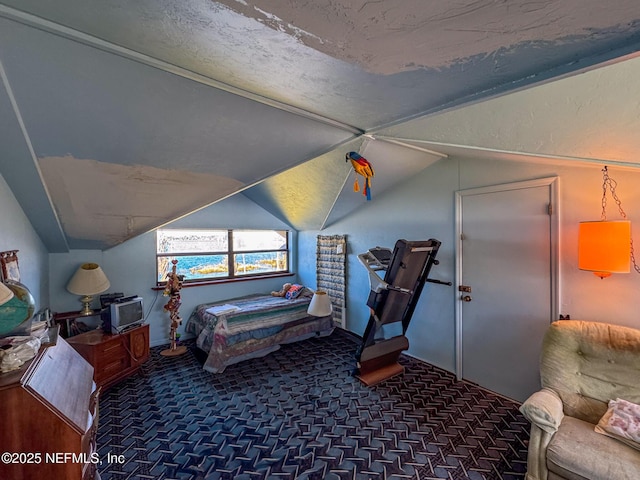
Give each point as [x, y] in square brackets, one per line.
[583, 366]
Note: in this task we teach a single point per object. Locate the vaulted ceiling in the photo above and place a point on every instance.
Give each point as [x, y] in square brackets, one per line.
[117, 117]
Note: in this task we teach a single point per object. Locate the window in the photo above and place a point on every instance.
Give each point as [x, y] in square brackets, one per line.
[221, 254]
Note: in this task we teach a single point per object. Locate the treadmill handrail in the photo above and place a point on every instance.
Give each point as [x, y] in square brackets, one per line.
[374, 279]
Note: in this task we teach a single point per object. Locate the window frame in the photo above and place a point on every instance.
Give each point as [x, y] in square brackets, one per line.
[230, 253]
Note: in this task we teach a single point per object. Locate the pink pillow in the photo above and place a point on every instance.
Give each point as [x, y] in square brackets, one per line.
[622, 422]
[294, 291]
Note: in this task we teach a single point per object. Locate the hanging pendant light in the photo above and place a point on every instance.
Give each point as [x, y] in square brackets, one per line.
[604, 246]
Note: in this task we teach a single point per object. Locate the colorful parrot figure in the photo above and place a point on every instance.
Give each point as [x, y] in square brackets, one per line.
[362, 167]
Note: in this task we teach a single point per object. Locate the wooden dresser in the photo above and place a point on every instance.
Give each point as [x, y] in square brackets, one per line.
[114, 356]
[48, 417]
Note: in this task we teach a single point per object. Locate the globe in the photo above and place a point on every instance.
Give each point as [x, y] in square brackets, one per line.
[15, 315]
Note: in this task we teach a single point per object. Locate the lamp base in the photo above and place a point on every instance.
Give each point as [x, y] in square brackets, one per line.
[175, 352]
[86, 305]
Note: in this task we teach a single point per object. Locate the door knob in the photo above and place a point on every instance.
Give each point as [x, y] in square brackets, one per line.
[466, 298]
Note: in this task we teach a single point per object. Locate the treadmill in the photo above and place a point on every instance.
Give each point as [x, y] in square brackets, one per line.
[392, 301]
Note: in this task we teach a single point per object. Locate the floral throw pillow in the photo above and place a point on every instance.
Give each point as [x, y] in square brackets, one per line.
[294, 291]
[622, 422]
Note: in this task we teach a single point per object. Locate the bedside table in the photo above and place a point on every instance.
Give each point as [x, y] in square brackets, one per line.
[114, 357]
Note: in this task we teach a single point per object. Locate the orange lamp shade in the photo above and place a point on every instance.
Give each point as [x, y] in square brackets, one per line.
[604, 247]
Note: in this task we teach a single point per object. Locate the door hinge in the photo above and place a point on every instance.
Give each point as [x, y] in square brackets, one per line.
[550, 209]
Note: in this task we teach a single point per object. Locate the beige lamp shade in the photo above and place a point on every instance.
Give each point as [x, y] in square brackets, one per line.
[604, 247]
[320, 305]
[88, 280]
[5, 294]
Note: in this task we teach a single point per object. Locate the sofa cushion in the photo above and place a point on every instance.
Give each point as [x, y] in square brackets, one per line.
[588, 364]
[577, 452]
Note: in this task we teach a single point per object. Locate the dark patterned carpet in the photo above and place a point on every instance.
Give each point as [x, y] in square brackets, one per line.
[299, 413]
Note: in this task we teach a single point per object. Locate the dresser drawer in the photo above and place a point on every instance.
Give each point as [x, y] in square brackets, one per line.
[113, 356]
[115, 346]
[109, 368]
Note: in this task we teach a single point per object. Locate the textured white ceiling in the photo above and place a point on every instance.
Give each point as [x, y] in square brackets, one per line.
[588, 117]
[192, 101]
[393, 36]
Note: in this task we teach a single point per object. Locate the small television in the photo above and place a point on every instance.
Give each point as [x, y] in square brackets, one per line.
[123, 314]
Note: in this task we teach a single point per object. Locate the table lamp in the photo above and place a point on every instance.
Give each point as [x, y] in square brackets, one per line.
[88, 280]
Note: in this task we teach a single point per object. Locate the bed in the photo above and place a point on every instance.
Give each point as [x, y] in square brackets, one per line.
[252, 326]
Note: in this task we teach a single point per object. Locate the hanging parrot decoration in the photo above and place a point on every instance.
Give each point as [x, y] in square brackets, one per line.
[361, 166]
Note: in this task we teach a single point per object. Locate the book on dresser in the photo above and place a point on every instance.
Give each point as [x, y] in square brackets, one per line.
[114, 356]
[48, 421]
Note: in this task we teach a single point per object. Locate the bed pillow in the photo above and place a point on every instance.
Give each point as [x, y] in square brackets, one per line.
[294, 291]
[622, 422]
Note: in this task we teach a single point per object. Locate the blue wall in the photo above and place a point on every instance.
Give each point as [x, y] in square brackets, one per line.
[131, 267]
[418, 209]
[16, 233]
[424, 208]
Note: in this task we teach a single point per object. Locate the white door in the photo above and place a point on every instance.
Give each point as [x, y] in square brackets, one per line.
[507, 256]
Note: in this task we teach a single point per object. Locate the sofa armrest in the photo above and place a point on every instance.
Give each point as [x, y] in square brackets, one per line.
[544, 410]
[537, 454]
